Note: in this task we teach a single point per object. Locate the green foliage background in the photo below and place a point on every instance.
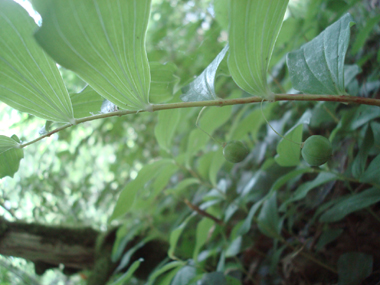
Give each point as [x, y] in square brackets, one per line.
[276, 214]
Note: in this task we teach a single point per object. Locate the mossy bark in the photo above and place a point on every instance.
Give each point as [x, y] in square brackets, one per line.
[76, 248]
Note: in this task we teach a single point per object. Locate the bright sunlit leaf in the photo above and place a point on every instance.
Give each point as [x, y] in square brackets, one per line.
[104, 43]
[10, 155]
[202, 88]
[29, 79]
[254, 27]
[318, 66]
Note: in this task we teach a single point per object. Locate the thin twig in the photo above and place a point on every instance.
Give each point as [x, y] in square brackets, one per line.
[227, 102]
[203, 213]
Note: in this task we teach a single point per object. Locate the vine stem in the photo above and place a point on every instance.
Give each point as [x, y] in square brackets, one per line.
[220, 103]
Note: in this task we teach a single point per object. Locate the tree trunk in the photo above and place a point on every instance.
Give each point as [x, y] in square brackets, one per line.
[75, 248]
[49, 246]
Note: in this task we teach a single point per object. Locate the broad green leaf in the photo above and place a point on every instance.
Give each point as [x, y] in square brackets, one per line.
[284, 179]
[202, 234]
[86, 103]
[221, 12]
[124, 234]
[371, 175]
[10, 155]
[350, 72]
[128, 194]
[268, 221]
[175, 234]
[196, 141]
[354, 267]
[244, 228]
[234, 247]
[129, 274]
[216, 163]
[163, 269]
[214, 117]
[305, 188]
[327, 237]
[211, 119]
[168, 277]
[213, 278]
[29, 79]
[7, 143]
[251, 123]
[288, 150]
[104, 43]
[163, 82]
[253, 30]
[364, 33]
[202, 88]
[318, 66]
[350, 204]
[183, 185]
[129, 254]
[232, 280]
[360, 160]
[184, 275]
[363, 115]
[167, 123]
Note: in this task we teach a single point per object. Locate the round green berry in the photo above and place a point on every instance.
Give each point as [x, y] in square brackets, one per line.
[235, 151]
[316, 150]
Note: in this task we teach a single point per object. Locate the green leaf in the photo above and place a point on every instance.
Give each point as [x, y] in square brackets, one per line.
[30, 80]
[318, 66]
[354, 267]
[183, 185]
[167, 278]
[360, 160]
[128, 275]
[163, 269]
[184, 275]
[288, 152]
[128, 194]
[167, 124]
[216, 164]
[202, 233]
[327, 237]
[211, 119]
[251, 123]
[104, 43]
[129, 254]
[254, 27]
[350, 204]
[302, 190]
[371, 175]
[163, 82]
[284, 179]
[202, 88]
[244, 228]
[86, 103]
[10, 155]
[350, 72]
[234, 247]
[232, 280]
[364, 33]
[124, 234]
[268, 221]
[363, 115]
[175, 234]
[213, 278]
[221, 12]
[7, 143]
